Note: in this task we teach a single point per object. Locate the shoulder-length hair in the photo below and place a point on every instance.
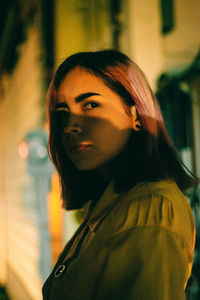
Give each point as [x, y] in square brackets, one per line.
[149, 154]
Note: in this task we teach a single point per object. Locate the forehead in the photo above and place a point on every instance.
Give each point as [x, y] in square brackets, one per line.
[81, 81]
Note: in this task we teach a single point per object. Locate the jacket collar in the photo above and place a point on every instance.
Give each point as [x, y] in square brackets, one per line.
[109, 199]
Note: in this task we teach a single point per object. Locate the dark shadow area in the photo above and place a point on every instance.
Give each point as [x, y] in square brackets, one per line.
[145, 158]
[3, 294]
[176, 106]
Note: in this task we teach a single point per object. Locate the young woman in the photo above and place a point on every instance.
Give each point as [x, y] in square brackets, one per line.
[114, 158]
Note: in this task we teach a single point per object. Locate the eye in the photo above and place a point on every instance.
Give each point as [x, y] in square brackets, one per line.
[90, 105]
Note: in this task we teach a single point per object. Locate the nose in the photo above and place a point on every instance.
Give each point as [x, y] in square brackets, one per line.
[73, 129]
[73, 126]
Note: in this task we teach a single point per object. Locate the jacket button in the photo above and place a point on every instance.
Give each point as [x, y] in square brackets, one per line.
[59, 271]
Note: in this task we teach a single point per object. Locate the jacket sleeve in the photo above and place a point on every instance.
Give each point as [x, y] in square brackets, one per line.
[145, 262]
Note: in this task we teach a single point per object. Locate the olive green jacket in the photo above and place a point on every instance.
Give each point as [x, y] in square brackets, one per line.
[134, 246]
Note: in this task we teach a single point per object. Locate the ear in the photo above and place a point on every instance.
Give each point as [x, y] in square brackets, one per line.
[135, 121]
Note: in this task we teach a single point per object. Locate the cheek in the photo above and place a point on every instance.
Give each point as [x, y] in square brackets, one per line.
[111, 140]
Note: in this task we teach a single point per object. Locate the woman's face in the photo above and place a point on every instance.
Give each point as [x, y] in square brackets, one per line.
[95, 122]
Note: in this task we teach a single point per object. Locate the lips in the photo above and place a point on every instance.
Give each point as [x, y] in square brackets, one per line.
[79, 147]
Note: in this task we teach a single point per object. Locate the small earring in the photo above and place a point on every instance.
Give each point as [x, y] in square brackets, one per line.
[138, 125]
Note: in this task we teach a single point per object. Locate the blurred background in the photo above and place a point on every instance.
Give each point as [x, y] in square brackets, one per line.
[161, 36]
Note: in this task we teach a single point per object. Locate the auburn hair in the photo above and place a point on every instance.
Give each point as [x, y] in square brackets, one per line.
[148, 156]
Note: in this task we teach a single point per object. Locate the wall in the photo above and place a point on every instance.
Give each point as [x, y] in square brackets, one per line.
[20, 112]
[81, 26]
[145, 37]
[182, 44]
[155, 52]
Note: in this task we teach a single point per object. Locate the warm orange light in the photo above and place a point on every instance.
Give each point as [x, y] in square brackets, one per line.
[55, 216]
[23, 150]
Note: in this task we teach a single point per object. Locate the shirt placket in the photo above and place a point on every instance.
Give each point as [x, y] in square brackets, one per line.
[72, 252]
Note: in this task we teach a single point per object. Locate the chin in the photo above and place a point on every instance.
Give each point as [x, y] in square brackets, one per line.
[87, 166]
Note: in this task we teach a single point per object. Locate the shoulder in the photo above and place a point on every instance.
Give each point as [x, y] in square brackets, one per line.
[155, 204]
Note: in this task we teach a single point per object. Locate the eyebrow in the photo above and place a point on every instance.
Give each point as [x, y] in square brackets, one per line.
[78, 99]
[61, 105]
[81, 97]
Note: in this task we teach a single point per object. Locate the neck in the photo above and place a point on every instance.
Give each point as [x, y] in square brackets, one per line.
[107, 172]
